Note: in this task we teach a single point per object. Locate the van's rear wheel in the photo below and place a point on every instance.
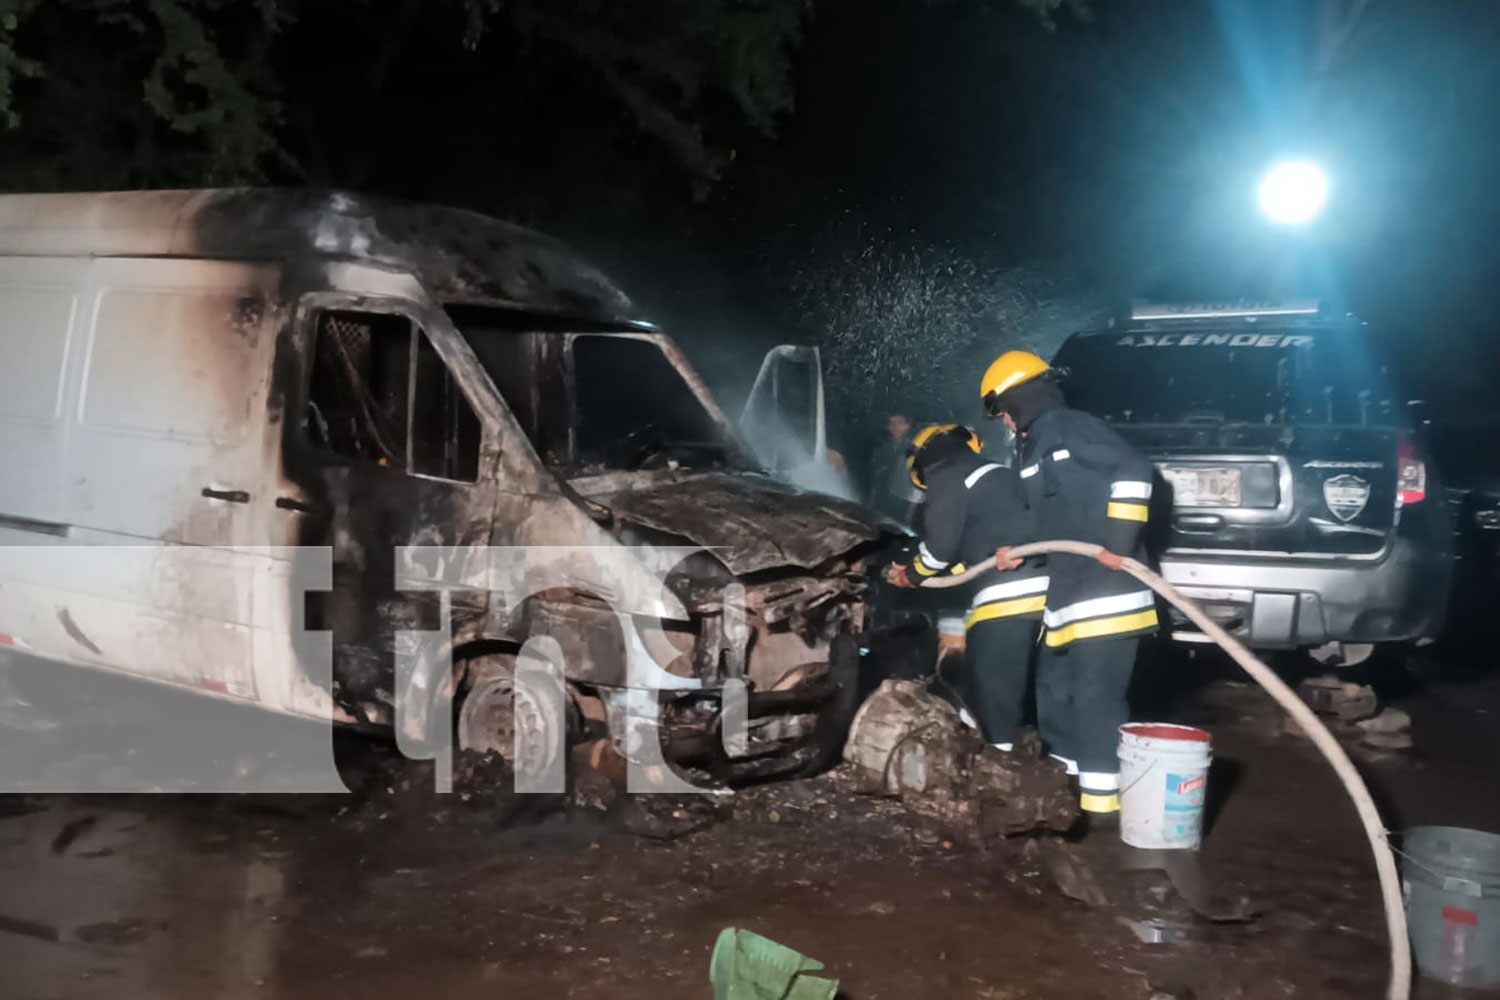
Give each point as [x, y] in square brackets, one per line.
[1342, 654]
[524, 716]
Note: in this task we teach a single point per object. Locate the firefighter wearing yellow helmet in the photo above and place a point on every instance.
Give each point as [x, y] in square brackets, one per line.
[1085, 483]
[974, 506]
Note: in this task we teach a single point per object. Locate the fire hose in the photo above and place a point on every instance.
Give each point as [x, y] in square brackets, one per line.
[1399, 987]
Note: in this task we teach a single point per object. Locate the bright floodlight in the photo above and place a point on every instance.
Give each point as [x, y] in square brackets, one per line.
[1293, 192]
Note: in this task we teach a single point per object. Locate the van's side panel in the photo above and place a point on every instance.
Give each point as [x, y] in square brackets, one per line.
[172, 401]
[40, 305]
[160, 430]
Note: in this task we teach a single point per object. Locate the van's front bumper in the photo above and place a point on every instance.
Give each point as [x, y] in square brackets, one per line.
[1283, 603]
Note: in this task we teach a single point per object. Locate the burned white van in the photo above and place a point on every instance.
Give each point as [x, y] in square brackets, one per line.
[239, 374]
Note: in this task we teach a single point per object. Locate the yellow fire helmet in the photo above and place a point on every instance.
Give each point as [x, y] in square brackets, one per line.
[932, 432]
[1009, 370]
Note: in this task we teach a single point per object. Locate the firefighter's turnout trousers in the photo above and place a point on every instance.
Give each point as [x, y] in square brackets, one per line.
[997, 659]
[1080, 707]
[1087, 484]
[973, 507]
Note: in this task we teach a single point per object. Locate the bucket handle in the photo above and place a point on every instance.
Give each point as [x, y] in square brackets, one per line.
[1144, 774]
[1446, 878]
[1402, 854]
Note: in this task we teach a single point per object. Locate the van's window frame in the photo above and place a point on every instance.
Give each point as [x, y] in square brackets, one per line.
[550, 425]
[311, 323]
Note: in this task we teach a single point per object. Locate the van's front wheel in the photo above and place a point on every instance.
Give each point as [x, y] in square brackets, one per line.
[520, 711]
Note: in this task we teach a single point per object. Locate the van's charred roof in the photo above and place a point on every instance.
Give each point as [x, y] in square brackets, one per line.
[458, 255]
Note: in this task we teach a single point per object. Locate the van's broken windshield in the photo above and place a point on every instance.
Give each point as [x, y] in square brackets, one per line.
[596, 402]
[1216, 377]
[634, 409]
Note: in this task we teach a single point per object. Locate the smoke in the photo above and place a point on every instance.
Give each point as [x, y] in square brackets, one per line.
[787, 453]
[822, 477]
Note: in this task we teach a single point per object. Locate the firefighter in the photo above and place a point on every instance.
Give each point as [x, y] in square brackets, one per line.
[1085, 483]
[974, 506]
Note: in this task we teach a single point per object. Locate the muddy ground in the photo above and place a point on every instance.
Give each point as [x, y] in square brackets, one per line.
[394, 893]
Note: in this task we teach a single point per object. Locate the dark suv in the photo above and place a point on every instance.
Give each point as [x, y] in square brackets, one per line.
[1293, 501]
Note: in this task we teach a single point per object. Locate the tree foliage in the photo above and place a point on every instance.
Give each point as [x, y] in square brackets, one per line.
[670, 63]
[138, 91]
[150, 92]
[1046, 11]
[178, 90]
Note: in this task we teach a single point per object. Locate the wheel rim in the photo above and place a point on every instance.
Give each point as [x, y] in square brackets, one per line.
[500, 709]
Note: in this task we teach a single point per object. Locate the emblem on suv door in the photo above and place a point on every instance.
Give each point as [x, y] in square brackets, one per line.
[1346, 496]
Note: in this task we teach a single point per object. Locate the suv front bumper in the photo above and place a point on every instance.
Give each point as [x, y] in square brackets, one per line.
[1284, 603]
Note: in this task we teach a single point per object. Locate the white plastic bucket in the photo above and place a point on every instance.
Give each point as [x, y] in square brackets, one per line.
[951, 630]
[1163, 778]
[1452, 885]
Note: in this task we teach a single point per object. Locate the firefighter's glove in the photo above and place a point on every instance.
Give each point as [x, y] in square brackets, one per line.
[895, 575]
[1004, 560]
[1110, 560]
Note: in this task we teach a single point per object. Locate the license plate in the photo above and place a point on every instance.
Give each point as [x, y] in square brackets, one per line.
[1203, 486]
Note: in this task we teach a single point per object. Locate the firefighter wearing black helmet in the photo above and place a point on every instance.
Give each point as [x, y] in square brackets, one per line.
[1086, 484]
[974, 506]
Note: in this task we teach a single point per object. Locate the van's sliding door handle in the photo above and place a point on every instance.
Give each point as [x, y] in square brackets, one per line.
[233, 496]
[300, 506]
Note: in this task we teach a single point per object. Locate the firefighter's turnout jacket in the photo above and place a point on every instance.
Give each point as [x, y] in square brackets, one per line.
[1086, 484]
[974, 506]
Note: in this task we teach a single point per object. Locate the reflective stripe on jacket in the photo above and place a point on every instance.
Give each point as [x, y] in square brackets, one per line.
[975, 506]
[1086, 483]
